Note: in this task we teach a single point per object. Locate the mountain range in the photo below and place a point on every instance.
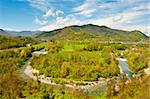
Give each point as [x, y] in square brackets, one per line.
[81, 32]
[19, 33]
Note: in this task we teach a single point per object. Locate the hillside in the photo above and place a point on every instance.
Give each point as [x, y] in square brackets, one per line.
[2, 32]
[93, 31]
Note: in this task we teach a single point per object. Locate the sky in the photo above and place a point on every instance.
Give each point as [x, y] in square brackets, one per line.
[46, 15]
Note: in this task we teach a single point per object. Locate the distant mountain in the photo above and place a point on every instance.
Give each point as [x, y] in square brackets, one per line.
[93, 31]
[2, 32]
[23, 33]
[19, 33]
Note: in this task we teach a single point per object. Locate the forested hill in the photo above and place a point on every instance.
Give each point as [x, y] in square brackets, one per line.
[93, 31]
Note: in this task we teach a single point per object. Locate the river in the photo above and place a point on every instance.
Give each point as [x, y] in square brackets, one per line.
[97, 87]
[124, 68]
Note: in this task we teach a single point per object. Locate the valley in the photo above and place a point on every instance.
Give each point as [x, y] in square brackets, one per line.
[76, 62]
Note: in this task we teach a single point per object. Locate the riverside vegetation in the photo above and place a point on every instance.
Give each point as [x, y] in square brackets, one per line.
[73, 60]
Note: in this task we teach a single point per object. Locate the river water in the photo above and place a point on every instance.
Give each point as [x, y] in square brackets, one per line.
[124, 68]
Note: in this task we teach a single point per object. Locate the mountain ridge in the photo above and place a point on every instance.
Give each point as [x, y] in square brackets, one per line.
[92, 31]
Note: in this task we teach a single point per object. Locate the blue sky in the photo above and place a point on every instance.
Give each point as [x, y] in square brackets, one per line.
[53, 14]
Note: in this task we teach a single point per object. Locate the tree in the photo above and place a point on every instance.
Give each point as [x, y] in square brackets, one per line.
[11, 86]
[65, 69]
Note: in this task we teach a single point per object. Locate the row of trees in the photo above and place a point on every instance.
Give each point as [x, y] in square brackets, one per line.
[86, 46]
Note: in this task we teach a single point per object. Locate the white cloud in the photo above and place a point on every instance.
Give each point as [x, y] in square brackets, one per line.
[118, 21]
[39, 4]
[91, 6]
[61, 22]
[40, 22]
[146, 30]
[117, 18]
[87, 8]
[87, 12]
[50, 12]
[70, 20]
[122, 14]
[49, 27]
[59, 12]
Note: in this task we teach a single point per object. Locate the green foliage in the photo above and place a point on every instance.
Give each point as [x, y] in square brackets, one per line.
[13, 42]
[135, 88]
[138, 58]
[74, 61]
[11, 61]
